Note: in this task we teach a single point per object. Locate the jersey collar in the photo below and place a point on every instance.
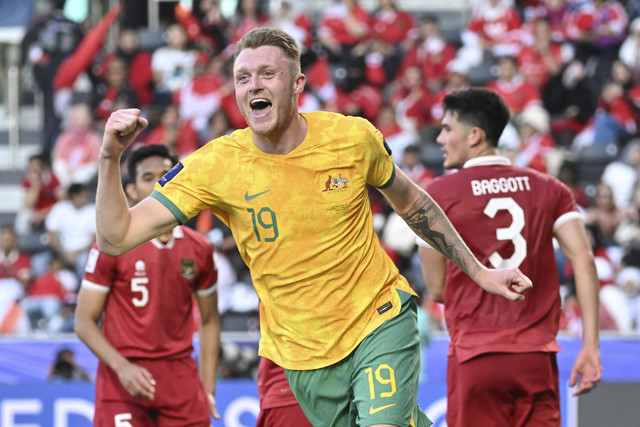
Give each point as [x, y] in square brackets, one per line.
[486, 161]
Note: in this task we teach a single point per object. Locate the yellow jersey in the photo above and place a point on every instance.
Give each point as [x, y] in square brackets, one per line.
[303, 225]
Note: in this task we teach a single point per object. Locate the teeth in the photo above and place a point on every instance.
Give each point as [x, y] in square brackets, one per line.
[254, 101]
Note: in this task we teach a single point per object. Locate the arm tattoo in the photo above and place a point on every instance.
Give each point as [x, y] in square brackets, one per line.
[429, 222]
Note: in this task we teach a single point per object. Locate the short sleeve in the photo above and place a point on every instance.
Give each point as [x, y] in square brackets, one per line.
[99, 272]
[380, 170]
[185, 189]
[208, 279]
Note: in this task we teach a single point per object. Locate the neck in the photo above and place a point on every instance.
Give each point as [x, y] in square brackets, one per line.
[164, 238]
[487, 151]
[284, 142]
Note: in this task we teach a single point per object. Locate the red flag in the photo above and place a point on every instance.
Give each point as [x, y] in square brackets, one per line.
[82, 57]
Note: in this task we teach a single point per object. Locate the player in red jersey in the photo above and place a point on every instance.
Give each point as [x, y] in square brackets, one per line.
[146, 375]
[508, 215]
[278, 405]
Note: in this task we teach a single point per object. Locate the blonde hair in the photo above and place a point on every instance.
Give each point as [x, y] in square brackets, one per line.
[271, 36]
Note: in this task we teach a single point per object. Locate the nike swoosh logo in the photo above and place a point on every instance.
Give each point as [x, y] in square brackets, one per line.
[247, 197]
[373, 410]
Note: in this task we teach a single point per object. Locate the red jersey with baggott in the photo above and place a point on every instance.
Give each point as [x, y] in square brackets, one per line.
[503, 228]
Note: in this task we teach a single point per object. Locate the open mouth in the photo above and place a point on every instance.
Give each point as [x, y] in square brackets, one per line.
[260, 107]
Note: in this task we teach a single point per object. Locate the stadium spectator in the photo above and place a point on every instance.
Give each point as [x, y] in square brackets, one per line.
[268, 81]
[628, 232]
[568, 176]
[49, 39]
[356, 99]
[555, 12]
[290, 16]
[397, 137]
[137, 63]
[392, 24]
[517, 93]
[457, 79]
[145, 303]
[492, 31]
[393, 31]
[71, 227]
[248, 14]
[114, 91]
[542, 56]
[171, 64]
[47, 294]
[65, 368]
[200, 96]
[15, 275]
[411, 101]
[219, 125]
[208, 29]
[622, 174]
[176, 134]
[430, 52]
[411, 163]
[629, 52]
[570, 97]
[616, 118]
[629, 281]
[341, 27]
[605, 213]
[597, 28]
[536, 142]
[75, 155]
[490, 338]
[41, 190]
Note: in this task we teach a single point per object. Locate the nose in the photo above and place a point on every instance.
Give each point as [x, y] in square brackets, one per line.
[255, 84]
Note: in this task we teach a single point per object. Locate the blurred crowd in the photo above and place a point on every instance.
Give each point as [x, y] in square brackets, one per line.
[569, 71]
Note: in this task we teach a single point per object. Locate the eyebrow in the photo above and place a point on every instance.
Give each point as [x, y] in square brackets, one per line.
[260, 68]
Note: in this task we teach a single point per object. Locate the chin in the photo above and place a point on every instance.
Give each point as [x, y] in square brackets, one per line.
[262, 129]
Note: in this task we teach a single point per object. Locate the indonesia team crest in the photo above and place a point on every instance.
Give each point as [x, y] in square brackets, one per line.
[188, 268]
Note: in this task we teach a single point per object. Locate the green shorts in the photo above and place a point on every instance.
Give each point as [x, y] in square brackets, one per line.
[376, 384]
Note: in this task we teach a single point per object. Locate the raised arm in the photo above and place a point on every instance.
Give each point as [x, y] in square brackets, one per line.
[120, 229]
[573, 241]
[428, 220]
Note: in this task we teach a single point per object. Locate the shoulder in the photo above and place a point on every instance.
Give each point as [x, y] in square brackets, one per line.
[351, 124]
[195, 237]
[222, 147]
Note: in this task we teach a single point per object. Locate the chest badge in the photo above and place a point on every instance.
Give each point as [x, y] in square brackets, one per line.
[188, 268]
[334, 183]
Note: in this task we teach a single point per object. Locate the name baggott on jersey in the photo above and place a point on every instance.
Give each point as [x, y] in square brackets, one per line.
[500, 185]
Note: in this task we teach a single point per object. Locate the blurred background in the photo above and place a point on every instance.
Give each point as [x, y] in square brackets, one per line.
[569, 71]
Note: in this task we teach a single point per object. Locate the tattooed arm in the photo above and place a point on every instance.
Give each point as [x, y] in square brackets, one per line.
[429, 222]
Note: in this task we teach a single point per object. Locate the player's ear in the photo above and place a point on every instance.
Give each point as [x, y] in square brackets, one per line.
[476, 136]
[130, 190]
[299, 82]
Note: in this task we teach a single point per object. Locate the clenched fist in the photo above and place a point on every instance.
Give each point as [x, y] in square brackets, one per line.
[121, 130]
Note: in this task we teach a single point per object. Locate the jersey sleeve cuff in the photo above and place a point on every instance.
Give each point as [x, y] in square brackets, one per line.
[182, 218]
[206, 292]
[390, 180]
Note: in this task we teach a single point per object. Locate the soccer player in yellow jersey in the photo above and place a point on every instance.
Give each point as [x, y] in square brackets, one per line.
[335, 312]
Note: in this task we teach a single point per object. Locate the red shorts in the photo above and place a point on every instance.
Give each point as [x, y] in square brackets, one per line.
[503, 389]
[180, 399]
[284, 416]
